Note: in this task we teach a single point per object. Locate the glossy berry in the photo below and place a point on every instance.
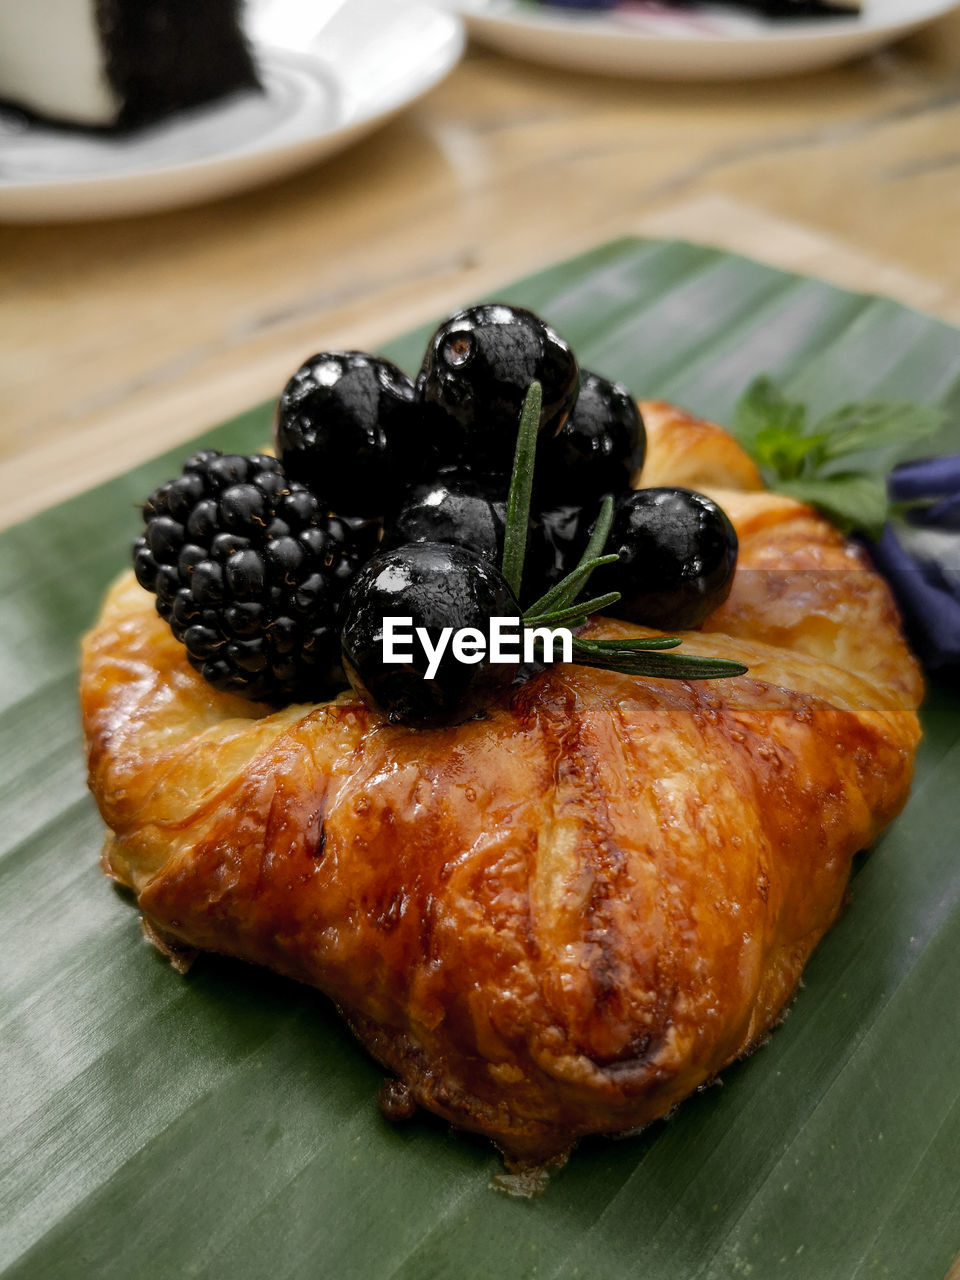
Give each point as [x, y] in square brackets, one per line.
[677, 552]
[365, 532]
[248, 571]
[436, 585]
[597, 450]
[345, 429]
[471, 387]
[452, 511]
[558, 538]
[457, 511]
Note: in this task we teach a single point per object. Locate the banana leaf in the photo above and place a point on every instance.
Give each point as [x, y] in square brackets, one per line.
[224, 1124]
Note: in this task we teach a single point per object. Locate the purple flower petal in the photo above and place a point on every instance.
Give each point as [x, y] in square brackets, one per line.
[928, 592]
[927, 478]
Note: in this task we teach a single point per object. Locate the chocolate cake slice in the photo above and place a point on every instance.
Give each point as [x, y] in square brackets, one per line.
[113, 64]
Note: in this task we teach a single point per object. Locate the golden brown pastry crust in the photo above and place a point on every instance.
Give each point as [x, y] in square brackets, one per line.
[563, 918]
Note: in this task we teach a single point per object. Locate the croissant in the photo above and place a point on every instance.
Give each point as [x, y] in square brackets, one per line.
[564, 917]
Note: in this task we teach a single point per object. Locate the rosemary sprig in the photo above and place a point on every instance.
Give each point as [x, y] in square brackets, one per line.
[582, 610]
[668, 666]
[628, 643]
[568, 588]
[521, 487]
[559, 605]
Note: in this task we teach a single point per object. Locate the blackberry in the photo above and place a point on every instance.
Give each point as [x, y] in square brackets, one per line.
[248, 570]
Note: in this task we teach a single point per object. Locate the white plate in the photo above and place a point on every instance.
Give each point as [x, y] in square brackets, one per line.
[347, 66]
[650, 39]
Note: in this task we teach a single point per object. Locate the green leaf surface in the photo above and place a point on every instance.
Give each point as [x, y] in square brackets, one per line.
[878, 424]
[839, 464]
[223, 1125]
[517, 531]
[855, 501]
[765, 415]
[668, 666]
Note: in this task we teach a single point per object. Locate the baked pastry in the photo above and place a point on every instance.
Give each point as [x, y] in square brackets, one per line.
[564, 917]
[118, 63]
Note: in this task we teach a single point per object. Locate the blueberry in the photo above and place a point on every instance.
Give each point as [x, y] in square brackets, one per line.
[362, 532]
[597, 450]
[436, 585]
[558, 538]
[677, 552]
[345, 429]
[471, 387]
[456, 512]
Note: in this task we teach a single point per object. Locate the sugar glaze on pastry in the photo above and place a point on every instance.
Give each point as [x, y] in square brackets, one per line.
[563, 918]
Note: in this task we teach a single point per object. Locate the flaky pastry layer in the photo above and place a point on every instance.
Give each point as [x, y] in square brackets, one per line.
[564, 917]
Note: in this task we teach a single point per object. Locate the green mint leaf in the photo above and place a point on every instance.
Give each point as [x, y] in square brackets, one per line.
[764, 409]
[874, 435]
[781, 456]
[838, 464]
[773, 430]
[854, 500]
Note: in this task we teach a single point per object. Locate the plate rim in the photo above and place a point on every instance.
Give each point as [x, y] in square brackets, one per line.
[337, 136]
[594, 29]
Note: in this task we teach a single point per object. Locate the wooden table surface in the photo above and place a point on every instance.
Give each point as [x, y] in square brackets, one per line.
[118, 339]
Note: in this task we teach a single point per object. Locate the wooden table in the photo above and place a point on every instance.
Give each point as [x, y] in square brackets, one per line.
[118, 339]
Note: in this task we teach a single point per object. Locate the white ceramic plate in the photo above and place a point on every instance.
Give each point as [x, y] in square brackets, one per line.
[332, 70]
[652, 39]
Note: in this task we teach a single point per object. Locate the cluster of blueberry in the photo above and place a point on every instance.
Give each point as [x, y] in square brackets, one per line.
[389, 497]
